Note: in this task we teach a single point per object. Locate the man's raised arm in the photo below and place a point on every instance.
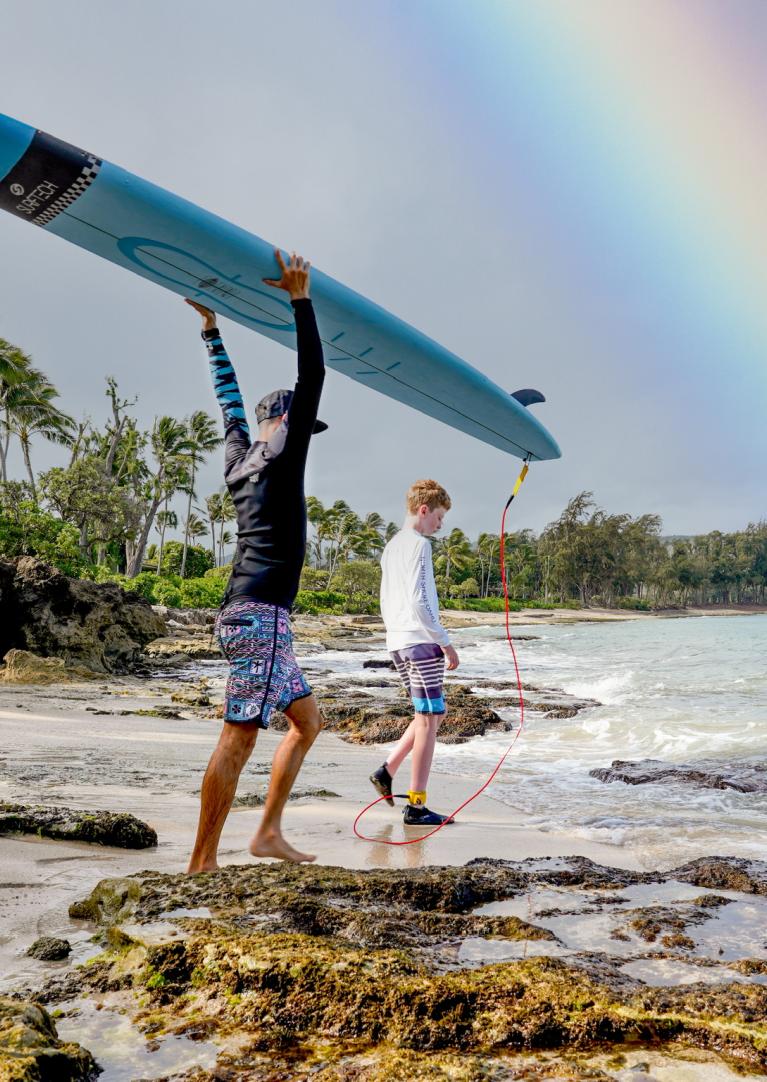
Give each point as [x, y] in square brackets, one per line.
[305, 403]
[236, 431]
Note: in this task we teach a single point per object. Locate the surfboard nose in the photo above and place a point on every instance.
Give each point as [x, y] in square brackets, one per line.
[15, 138]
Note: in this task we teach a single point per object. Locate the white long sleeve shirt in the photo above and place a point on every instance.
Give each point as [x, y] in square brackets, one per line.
[409, 603]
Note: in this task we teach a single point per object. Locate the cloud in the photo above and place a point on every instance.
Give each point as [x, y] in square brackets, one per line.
[342, 130]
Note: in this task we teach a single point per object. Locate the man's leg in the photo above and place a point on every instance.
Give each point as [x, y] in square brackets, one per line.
[219, 785]
[304, 724]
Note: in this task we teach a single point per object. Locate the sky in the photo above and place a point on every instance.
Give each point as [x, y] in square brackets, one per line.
[568, 196]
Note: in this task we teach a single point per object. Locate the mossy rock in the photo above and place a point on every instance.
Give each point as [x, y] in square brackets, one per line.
[23, 667]
[118, 829]
[343, 961]
[30, 1050]
[110, 902]
[49, 949]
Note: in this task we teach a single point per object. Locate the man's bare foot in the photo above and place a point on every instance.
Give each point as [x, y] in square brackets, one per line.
[194, 869]
[274, 845]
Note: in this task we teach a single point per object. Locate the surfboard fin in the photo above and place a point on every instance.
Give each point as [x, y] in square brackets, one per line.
[528, 396]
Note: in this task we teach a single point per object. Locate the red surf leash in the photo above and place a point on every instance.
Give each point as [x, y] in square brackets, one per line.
[502, 760]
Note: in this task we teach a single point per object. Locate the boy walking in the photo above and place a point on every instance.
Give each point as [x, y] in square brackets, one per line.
[417, 643]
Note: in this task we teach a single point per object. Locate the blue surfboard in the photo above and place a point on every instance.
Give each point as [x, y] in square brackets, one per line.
[162, 237]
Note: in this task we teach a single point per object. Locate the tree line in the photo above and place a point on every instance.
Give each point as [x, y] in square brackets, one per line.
[110, 510]
[586, 556]
[120, 481]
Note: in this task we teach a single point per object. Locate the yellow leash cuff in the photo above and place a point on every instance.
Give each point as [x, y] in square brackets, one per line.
[520, 479]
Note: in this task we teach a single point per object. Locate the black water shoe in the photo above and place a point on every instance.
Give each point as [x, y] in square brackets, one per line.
[418, 816]
[381, 780]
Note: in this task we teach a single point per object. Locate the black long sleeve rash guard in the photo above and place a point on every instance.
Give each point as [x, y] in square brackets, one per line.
[269, 497]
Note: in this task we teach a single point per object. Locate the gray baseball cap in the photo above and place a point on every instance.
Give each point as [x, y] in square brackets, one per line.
[277, 403]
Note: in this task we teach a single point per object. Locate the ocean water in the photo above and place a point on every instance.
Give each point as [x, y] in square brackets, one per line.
[679, 690]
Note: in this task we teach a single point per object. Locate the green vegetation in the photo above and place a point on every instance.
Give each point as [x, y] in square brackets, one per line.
[586, 557]
[98, 517]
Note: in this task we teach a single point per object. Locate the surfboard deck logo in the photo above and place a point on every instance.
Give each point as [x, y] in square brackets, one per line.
[162, 237]
[50, 177]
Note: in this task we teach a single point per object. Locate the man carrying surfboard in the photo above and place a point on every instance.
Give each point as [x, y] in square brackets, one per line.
[266, 480]
[417, 643]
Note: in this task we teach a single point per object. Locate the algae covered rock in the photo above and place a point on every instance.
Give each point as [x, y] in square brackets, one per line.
[743, 775]
[365, 711]
[30, 1050]
[364, 718]
[110, 901]
[195, 695]
[306, 971]
[49, 949]
[199, 648]
[97, 625]
[258, 799]
[118, 829]
[725, 873]
[22, 667]
[223, 980]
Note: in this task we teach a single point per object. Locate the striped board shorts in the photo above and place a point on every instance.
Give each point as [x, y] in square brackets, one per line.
[422, 669]
[264, 676]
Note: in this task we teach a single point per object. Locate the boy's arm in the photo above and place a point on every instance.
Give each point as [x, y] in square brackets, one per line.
[427, 603]
[425, 597]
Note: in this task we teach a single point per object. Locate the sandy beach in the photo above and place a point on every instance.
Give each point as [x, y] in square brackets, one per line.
[41, 877]
[467, 618]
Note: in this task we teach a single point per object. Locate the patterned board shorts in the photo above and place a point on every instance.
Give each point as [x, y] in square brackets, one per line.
[422, 669]
[263, 673]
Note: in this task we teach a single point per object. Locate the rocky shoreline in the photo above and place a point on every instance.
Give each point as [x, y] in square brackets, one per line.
[322, 973]
[93, 627]
[742, 775]
[553, 967]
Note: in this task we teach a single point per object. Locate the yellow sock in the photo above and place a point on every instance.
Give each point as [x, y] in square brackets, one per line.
[416, 799]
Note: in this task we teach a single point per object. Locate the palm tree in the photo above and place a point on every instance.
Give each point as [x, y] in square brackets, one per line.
[213, 507]
[169, 446]
[316, 514]
[14, 368]
[371, 539]
[488, 550]
[340, 527]
[30, 410]
[227, 513]
[195, 527]
[226, 539]
[202, 438]
[454, 552]
[165, 519]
